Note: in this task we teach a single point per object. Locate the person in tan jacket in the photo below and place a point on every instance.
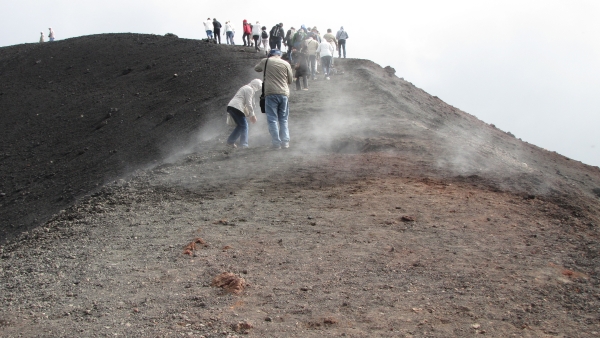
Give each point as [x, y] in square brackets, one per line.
[277, 78]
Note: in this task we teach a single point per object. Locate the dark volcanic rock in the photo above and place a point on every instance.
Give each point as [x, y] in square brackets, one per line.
[53, 108]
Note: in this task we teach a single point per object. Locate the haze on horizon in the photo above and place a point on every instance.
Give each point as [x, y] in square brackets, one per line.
[529, 67]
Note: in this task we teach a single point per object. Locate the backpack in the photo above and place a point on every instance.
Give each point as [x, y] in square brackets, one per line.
[264, 35]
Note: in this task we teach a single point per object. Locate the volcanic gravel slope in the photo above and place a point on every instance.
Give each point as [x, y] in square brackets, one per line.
[392, 213]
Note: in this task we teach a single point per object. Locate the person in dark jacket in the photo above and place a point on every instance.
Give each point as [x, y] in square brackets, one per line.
[217, 29]
[276, 36]
[301, 66]
[288, 41]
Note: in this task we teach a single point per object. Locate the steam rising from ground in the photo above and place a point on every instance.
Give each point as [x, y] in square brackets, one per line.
[373, 117]
[479, 151]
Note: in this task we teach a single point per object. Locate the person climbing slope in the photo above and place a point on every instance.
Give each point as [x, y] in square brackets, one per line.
[278, 75]
[341, 37]
[217, 30]
[247, 28]
[208, 26]
[241, 109]
[256, 36]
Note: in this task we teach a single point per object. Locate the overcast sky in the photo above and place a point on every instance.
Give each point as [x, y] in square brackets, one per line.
[529, 67]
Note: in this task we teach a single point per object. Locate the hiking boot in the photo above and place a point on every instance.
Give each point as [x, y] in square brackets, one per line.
[231, 145]
[276, 147]
[286, 145]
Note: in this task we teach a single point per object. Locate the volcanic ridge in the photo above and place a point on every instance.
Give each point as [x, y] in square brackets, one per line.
[392, 214]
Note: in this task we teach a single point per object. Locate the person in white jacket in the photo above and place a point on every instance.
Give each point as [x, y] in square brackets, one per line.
[42, 38]
[50, 34]
[230, 31]
[326, 51]
[208, 26]
[239, 108]
[256, 36]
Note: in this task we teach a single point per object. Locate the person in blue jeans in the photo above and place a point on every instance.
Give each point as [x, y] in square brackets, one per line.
[278, 75]
[208, 27]
[241, 109]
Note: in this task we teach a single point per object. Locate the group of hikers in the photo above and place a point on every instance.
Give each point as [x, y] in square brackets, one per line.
[305, 48]
[256, 35]
[277, 76]
[50, 36]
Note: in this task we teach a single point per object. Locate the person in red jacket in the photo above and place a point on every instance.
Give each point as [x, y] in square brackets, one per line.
[247, 32]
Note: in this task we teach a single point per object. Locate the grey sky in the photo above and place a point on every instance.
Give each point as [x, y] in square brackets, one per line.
[529, 67]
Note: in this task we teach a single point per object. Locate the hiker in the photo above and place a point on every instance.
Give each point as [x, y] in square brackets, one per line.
[329, 37]
[208, 27]
[265, 40]
[311, 46]
[314, 32]
[256, 36]
[42, 40]
[302, 71]
[241, 109]
[276, 35]
[299, 37]
[341, 37]
[247, 28]
[288, 42]
[326, 51]
[50, 34]
[217, 30]
[229, 31]
[277, 76]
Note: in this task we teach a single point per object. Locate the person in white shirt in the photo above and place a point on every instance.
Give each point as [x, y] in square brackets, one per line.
[42, 37]
[239, 108]
[51, 34]
[230, 31]
[208, 26]
[256, 36]
[326, 51]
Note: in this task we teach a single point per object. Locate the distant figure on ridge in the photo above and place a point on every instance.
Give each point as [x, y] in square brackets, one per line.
[240, 108]
[301, 67]
[217, 30]
[208, 26]
[230, 31]
[256, 36]
[288, 42]
[276, 35]
[278, 75]
[50, 34]
[326, 51]
[329, 37]
[341, 37]
[314, 32]
[265, 39]
[42, 38]
[247, 32]
[311, 46]
[299, 38]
